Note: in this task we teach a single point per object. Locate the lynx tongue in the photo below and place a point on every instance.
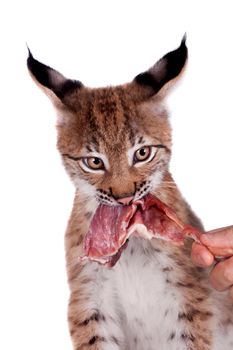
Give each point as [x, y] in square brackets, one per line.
[111, 227]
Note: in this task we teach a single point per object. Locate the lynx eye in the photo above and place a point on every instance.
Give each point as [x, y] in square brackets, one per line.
[94, 163]
[142, 154]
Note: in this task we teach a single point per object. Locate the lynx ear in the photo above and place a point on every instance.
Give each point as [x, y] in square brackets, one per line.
[50, 80]
[166, 69]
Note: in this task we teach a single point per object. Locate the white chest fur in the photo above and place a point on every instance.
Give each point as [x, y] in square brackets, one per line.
[138, 293]
[141, 302]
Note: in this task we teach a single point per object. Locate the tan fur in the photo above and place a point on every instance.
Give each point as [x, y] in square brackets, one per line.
[106, 107]
[110, 121]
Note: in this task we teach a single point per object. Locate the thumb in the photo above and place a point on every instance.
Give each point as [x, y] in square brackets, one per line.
[219, 241]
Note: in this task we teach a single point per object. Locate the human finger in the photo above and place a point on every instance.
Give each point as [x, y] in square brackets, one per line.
[201, 256]
[219, 241]
[221, 277]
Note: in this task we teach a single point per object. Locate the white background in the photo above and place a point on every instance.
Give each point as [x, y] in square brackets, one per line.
[99, 43]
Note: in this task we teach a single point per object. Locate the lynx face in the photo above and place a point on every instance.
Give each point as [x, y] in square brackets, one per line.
[113, 148]
[116, 141]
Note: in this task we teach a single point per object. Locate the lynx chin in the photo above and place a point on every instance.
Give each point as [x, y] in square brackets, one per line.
[115, 143]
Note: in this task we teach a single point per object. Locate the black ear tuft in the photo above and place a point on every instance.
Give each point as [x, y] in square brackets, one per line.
[166, 69]
[50, 78]
[39, 70]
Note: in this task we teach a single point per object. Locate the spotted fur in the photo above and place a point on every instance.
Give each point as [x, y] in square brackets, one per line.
[154, 297]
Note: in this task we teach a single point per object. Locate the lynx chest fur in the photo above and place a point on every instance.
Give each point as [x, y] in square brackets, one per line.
[115, 143]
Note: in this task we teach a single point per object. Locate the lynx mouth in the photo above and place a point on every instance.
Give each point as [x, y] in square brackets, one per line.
[112, 226]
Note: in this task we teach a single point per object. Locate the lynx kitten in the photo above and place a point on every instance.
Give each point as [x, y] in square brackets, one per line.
[115, 143]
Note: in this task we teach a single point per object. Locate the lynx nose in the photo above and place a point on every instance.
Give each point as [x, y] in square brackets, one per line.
[125, 200]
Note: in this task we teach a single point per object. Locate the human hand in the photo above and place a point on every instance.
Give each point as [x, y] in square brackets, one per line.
[221, 240]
